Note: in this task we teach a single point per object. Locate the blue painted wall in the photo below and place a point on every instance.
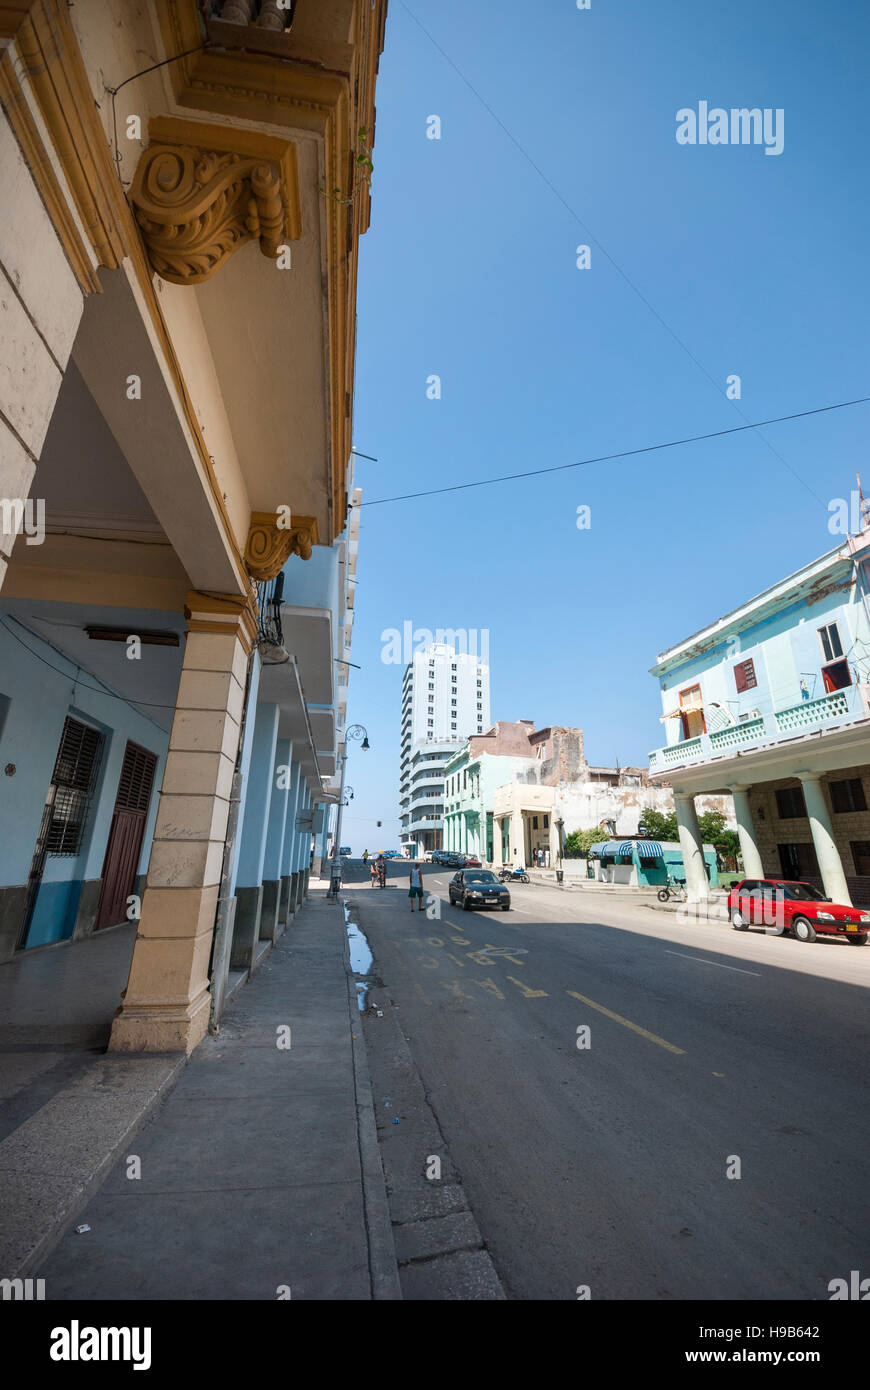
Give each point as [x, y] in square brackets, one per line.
[37, 699]
[785, 649]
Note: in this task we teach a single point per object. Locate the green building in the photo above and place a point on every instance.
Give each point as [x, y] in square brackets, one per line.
[471, 777]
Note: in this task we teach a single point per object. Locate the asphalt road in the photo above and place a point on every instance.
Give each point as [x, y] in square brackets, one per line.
[607, 1166]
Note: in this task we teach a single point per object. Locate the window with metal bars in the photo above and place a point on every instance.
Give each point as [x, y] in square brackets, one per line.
[74, 777]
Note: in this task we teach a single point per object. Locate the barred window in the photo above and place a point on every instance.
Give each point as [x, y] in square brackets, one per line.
[74, 776]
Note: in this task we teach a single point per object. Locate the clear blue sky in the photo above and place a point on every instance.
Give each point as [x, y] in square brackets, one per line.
[756, 263]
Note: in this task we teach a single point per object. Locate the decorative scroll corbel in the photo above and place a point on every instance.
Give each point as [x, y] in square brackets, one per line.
[202, 191]
[270, 544]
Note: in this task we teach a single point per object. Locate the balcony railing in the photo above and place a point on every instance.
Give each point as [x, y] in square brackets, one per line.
[829, 711]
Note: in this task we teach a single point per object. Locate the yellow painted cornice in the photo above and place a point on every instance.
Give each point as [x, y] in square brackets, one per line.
[50, 58]
[271, 543]
[302, 86]
[207, 612]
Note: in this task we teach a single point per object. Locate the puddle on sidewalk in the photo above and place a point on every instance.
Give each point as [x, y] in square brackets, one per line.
[361, 958]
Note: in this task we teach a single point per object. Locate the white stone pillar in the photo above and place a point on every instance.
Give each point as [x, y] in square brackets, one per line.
[830, 863]
[697, 885]
[752, 865]
[518, 838]
[166, 1002]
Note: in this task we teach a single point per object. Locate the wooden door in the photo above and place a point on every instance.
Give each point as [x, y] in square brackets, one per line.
[125, 836]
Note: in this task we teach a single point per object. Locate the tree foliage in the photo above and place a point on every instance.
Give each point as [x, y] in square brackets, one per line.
[579, 842]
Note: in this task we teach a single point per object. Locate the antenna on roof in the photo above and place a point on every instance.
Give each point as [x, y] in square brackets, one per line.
[864, 505]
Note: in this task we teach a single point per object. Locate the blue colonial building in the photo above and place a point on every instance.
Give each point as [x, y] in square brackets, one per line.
[770, 704]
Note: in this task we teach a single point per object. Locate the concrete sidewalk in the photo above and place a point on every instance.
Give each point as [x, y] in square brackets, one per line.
[260, 1175]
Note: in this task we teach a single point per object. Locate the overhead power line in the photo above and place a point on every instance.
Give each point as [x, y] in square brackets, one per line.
[623, 454]
[587, 231]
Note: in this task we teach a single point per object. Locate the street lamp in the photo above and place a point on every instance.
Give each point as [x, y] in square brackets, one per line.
[355, 732]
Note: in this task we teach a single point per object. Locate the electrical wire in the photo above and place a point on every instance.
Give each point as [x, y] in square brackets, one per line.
[99, 690]
[623, 454]
[588, 232]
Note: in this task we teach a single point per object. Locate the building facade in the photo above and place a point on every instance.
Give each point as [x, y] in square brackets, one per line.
[176, 395]
[555, 791]
[471, 776]
[770, 703]
[445, 698]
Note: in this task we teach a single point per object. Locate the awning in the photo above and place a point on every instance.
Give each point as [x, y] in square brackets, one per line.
[612, 848]
[649, 849]
[684, 709]
[618, 849]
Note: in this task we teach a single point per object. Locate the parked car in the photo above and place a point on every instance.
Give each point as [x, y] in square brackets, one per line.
[478, 888]
[472, 863]
[345, 850]
[784, 905]
[443, 856]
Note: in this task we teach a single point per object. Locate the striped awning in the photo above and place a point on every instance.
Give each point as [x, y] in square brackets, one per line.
[619, 849]
[649, 849]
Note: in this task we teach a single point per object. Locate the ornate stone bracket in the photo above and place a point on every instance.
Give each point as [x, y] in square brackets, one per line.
[201, 191]
[270, 545]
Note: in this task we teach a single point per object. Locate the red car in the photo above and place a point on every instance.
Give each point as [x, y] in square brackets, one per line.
[472, 863]
[782, 905]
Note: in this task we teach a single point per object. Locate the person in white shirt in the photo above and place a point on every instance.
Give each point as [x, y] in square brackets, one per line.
[416, 889]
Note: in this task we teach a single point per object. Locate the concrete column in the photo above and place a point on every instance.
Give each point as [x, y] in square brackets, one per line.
[746, 830]
[305, 841]
[249, 882]
[166, 1003]
[298, 844]
[321, 812]
[693, 850]
[830, 863]
[272, 860]
[517, 839]
[288, 869]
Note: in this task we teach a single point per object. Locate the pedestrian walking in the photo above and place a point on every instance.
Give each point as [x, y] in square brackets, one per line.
[416, 888]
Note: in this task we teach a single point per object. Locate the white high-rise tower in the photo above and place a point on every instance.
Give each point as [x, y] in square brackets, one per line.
[445, 699]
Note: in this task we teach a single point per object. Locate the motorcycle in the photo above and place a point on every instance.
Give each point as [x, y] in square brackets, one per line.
[513, 876]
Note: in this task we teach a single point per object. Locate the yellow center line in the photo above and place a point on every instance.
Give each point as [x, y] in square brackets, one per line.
[627, 1023]
[529, 993]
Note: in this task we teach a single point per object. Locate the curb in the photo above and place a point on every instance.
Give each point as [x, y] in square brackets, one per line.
[438, 1247]
[383, 1264]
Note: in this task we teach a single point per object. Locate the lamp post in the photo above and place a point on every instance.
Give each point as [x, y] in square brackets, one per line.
[354, 732]
[560, 873]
